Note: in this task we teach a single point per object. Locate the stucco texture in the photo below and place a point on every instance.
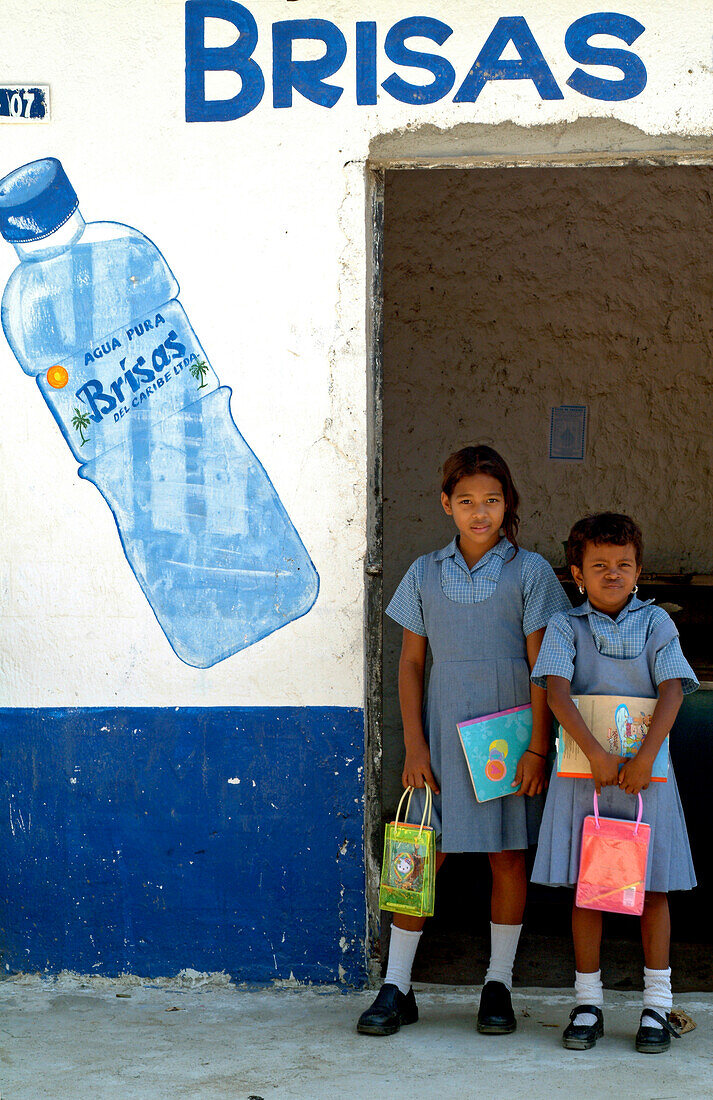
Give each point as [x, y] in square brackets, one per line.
[510, 291]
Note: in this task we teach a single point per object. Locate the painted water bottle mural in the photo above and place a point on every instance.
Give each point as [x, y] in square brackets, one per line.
[92, 312]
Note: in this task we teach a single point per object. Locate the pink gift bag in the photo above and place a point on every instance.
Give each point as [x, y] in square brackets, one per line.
[612, 864]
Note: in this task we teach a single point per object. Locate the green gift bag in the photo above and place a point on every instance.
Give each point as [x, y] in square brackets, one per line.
[408, 873]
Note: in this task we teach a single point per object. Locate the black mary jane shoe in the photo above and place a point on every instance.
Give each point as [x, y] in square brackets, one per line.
[390, 1010]
[495, 1014]
[655, 1040]
[583, 1036]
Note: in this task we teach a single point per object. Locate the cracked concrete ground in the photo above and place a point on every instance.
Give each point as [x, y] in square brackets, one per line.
[75, 1039]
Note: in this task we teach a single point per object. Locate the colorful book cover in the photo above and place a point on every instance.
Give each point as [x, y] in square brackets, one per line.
[493, 746]
[619, 723]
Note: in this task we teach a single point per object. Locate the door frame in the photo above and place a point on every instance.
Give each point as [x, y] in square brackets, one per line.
[375, 185]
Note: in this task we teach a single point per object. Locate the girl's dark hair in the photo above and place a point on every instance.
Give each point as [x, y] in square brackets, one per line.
[604, 527]
[484, 460]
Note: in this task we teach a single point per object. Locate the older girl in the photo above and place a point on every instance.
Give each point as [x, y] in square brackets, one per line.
[482, 604]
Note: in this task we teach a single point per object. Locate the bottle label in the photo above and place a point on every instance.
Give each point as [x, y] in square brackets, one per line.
[129, 380]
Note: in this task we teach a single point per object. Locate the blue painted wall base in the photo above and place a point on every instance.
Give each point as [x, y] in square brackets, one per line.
[127, 843]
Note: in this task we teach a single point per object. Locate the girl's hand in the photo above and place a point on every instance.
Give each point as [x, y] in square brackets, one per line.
[635, 776]
[530, 774]
[417, 769]
[605, 769]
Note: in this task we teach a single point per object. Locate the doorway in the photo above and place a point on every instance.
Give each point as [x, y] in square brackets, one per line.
[508, 292]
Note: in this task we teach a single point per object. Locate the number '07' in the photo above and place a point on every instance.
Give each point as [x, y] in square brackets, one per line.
[20, 104]
[311, 78]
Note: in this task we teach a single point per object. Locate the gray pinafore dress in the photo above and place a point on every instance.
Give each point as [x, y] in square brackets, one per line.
[479, 667]
[670, 866]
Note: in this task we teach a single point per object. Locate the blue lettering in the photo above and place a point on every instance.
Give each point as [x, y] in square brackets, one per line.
[577, 45]
[489, 64]
[130, 376]
[92, 394]
[142, 372]
[420, 26]
[117, 387]
[366, 64]
[236, 58]
[88, 358]
[173, 344]
[159, 320]
[160, 358]
[306, 77]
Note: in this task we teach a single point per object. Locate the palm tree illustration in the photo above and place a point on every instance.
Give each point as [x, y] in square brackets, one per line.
[199, 371]
[80, 422]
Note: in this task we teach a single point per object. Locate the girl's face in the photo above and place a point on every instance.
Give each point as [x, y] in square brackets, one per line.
[608, 574]
[477, 505]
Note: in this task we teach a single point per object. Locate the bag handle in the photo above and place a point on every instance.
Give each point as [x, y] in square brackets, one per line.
[427, 807]
[596, 812]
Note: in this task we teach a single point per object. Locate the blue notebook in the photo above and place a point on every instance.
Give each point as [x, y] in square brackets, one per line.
[493, 746]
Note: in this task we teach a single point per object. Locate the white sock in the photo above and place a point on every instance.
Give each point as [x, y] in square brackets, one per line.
[657, 994]
[588, 990]
[402, 950]
[503, 945]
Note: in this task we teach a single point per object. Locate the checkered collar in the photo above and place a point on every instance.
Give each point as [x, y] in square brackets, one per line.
[633, 604]
[500, 550]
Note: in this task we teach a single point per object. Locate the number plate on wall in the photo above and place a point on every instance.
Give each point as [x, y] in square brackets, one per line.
[24, 103]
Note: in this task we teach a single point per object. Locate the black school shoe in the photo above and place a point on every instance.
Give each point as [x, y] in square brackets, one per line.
[583, 1036]
[495, 1015]
[390, 1010]
[654, 1040]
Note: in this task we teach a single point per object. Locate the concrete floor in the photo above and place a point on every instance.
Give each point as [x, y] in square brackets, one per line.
[90, 1039]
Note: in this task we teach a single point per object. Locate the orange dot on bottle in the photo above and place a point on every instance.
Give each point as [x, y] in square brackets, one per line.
[57, 377]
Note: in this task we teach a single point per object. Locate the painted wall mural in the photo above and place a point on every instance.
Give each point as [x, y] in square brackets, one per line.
[92, 313]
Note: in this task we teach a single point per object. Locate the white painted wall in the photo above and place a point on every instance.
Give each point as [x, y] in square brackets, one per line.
[263, 221]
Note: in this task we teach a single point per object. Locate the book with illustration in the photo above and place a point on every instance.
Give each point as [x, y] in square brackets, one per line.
[493, 746]
[620, 724]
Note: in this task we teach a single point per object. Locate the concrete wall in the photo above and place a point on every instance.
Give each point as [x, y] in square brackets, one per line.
[258, 204]
[512, 291]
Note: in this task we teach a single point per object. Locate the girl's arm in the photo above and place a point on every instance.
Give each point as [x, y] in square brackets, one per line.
[635, 776]
[530, 774]
[412, 663]
[604, 765]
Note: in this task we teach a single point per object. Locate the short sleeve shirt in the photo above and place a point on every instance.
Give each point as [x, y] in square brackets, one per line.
[542, 593]
[624, 636]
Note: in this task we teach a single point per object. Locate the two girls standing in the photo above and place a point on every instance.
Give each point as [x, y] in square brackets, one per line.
[482, 604]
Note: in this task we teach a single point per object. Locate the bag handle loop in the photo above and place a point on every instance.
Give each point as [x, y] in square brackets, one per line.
[596, 812]
[427, 807]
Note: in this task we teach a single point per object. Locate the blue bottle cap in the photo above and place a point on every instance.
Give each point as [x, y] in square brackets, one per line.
[35, 200]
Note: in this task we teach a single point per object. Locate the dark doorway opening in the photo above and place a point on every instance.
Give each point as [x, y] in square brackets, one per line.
[506, 292]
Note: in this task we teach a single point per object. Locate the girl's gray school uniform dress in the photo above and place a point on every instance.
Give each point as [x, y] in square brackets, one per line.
[569, 801]
[479, 667]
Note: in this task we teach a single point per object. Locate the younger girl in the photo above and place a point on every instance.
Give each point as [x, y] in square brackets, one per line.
[615, 644]
[482, 604]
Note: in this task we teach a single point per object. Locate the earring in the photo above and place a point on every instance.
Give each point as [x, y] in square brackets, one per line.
[581, 589]
[635, 589]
